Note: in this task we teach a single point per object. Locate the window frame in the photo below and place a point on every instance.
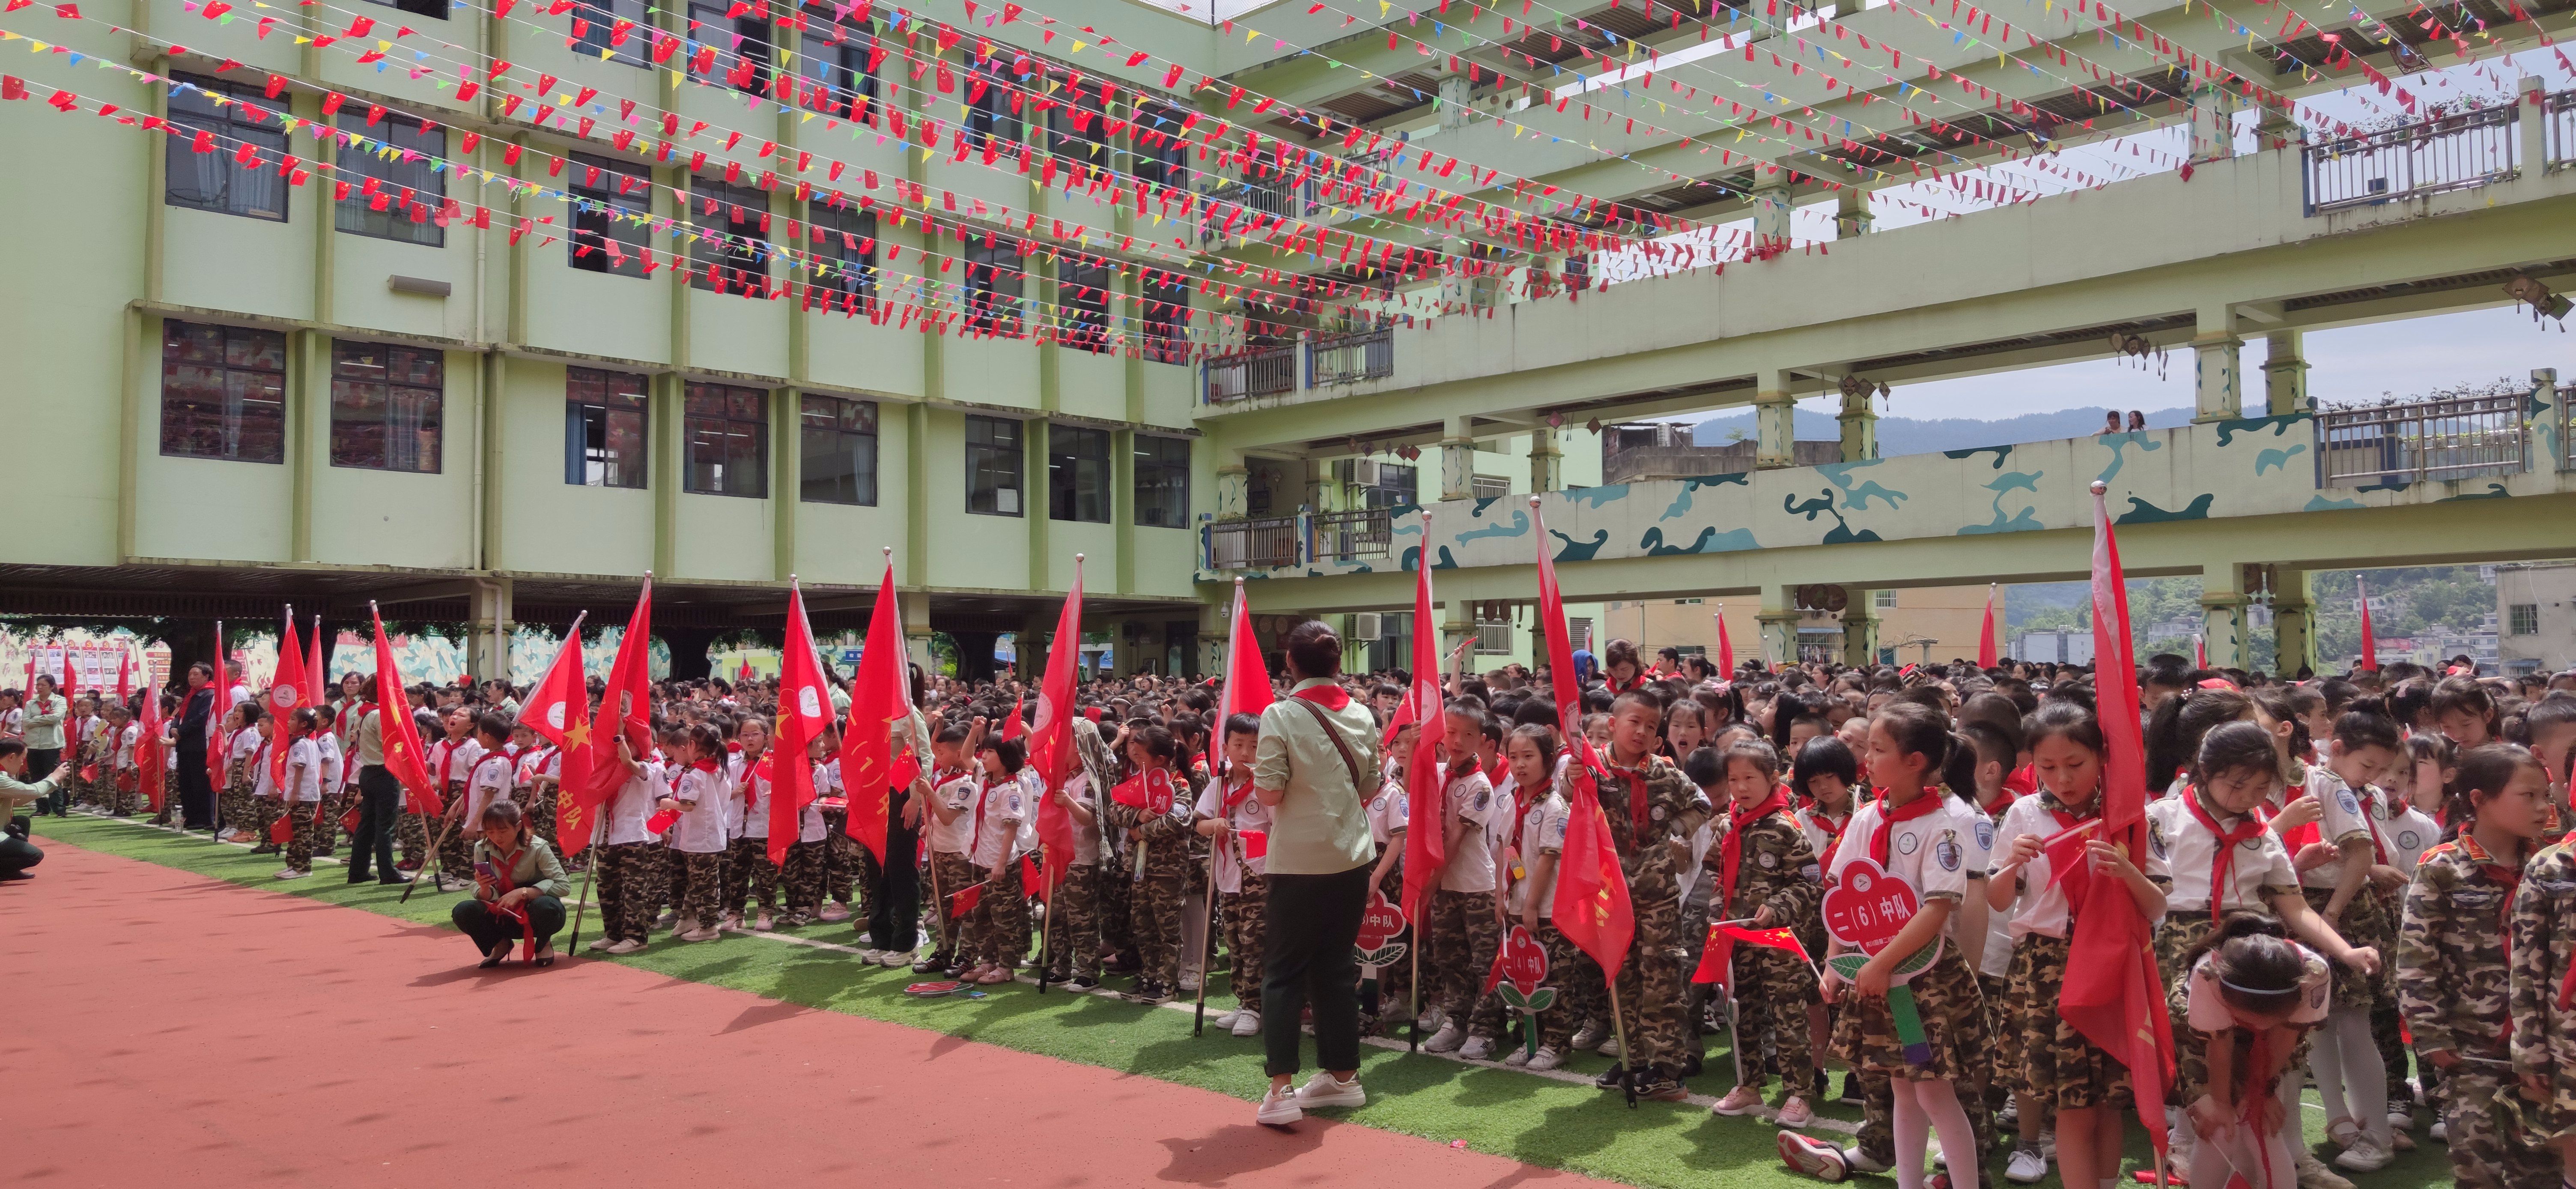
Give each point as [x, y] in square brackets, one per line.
[756, 35]
[1001, 112]
[1067, 468]
[735, 252]
[600, 18]
[347, 430]
[2522, 619]
[172, 332]
[838, 67]
[582, 415]
[1083, 322]
[863, 480]
[435, 10]
[1167, 164]
[223, 120]
[998, 459]
[1162, 482]
[697, 418]
[597, 226]
[1163, 311]
[428, 141]
[1883, 599]
[985, 296]
[856, 275]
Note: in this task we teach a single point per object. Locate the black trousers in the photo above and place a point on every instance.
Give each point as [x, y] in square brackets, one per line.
[1307, 961]
[477, 920]
[894, 901]
[379, 807]
[196, 794]
[40, 764]
[16, 852]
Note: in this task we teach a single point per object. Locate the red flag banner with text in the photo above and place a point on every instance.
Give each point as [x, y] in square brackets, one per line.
[1051, 737]
[1425, 850]
[1592, 906]
[404, 759]
[558, 710]
[804, 713]
[879, 695]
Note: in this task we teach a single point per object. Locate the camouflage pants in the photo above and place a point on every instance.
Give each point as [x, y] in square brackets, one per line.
[1772, 991]
[123, 800]
[169, 798]
[1464, 936]
[2487, 1136]
[803, 875]
[2174, 937]
[236, 805]
[299, 841]
[326, 832]
[264, 814]
[997, 932]
[749, 875]
[1652, 1005]
[1117, 906]
[2364, 922]
[1570, 972]
[2058, 1066]
[948, 874]
[456, 852]
[843, 857]
[1073, 940]
[630, 894]
[1246, 921]
[541, 816]
[1953, 1010]
[411, 833]
[1156, 919]
[697, 881]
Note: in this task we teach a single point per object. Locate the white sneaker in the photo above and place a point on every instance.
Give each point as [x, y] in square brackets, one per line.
[872, 957]
[1860, 1163]
[1589, 1036]
[1545, 1059]
[2027, 1167]
[600, 943]
[291, 873]
[700, 934]
[1433, 1019]
[628, 946]
[1279, 1108]
[1247, 1023]
[833, 911]
[1226, 1021]
[1446, 1040]
[764, 924]
[1609, 1048]
[1324, 1090]
[897, 960]
[1795, 1113]
[2441, 1132]
[2400, 1119]
[1477, 1048]
[1518, 1058]
[1742, 1100]
[2365, 1155]
[1189, 982]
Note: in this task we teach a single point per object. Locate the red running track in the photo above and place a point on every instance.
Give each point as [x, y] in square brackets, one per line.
[164, 1028]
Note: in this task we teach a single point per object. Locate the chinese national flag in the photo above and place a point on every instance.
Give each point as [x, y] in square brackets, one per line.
[625, 707]
[804, 713]
[404, 759]
[2369, 639]
[1592, 907]
[2112, 993]
[147, 748]
[1051, 737]
[1425, 850]
[287, 694]
[1716, 959]
[558, 710]
[1987, 657]
[1017, 724]
[124, 676]
[1247, 679]
[880, 695]
[1725, 648]
[219, 742]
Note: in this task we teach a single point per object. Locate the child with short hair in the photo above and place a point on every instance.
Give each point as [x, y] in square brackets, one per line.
[1230, 817]
[953, 789]
[2351, 1076]
[803, 872]
[749, 875]
[629, 857]
[997, 930]
[326, 744]
[239, 809]
[1146, 806]
[300, 796]
[124, 735]
[1764, 876]
[698, 837]
[1465, 929]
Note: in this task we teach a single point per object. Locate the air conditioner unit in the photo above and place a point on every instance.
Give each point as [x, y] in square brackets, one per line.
[1365, 626]
[1364, 472]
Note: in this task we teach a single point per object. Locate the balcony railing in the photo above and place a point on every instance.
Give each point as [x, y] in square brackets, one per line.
[1367, 355]
[1260, 543]
[1349, 536]
[2453, 438]
[1261, 371]
[2560, 111]
[2435, 156]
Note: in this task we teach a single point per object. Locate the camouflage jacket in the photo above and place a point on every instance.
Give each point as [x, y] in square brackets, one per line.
[2451, 983]
[1776, 869]
[1674, 809]
[1172, 846]
[2544, 944]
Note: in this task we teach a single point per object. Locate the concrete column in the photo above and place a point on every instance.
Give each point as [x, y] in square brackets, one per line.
[1029, 645]
[1859, 420]
[1860, 630]
[1457, 623]
[2285, 374]
[2222, 614]
[1547, 463]
[1771, 207]
[2213, 123]
[487, 632]
[2294, 641]
[1779, 619]
[2216, 396]
[2534, 130]
[1457, 461]
[914, 610]
[1454, 108]
[2549, 432]
[1233, 484]
[1775, 420]
[1851, 213]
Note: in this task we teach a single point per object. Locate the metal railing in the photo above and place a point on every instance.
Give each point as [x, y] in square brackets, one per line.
[1260, 543]
[1260, 371]
[1366, 355]
[2454, 438]
[2434, 156]
[2560, 112]
[1347, 536]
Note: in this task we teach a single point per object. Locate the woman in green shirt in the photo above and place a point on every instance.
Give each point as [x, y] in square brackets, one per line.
[518, 889]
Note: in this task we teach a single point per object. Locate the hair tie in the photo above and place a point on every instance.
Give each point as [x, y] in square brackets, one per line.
[2240, 987]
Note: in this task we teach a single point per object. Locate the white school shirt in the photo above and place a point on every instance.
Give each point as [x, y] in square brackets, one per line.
[2206, 1001]
[304, 767]
[2042, 907]
[747, 810]
[2260, 866]
[9, 721]
[1248, 814]
[2343, 819]
[827, 783]
[328, 747]
[1939, 854]
[461, 760]
[486, 782]
[738, 787]
[956, 791]
[1470, 798]
[1388, 812]
[246, 746]
[2404, 831]
[1032, 796]
[125, 744]
[1086, 839]
[996, 838]
[627, 811]
[1542, 833]
[263, 782]
[703, 793]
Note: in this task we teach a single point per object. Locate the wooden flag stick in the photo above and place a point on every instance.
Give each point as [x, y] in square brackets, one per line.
[437, 851]
[1627, 1056]
[598, 822]
[1207, 947]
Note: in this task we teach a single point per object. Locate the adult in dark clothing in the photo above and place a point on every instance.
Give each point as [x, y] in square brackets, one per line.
[196, 794]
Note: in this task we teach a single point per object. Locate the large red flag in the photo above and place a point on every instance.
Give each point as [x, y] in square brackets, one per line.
[2369, 642]
[880, 694]
[1017, 724]
[804, 713]
[405, 761]
[2112, 994]
[1425, 849]
[1725, 648]
[124, 675]
[1592, 906]
[288, 692]
[558, 710]
[148, 762]
[317, 666]
[1987, 657]
[1051, 737]
[219, 742]
[1247, 679]
[625, 707]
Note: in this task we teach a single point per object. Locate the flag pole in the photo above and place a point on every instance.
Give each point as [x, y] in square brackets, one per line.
[1627, 1056]
[1413, 993]
[446, 825]
[598, 822]
[1207, 947]
[1046, 930]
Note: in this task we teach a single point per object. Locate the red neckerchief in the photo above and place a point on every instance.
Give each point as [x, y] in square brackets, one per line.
[1462, 770]
[1635, 779]
[1234, 797]
[2078, 884]
[1922, 805]
[1995, 808]
[703, 764]
[975, 837]
[1824, 820]
[2228, 839]
[1730, 850]
[2509, 877]
[755, 774]
[2023, 781]
[1330, 697]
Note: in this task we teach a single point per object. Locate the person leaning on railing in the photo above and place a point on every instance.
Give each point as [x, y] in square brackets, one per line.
[518, 889]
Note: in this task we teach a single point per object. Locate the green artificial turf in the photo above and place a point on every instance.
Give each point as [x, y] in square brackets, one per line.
[1522, 1116]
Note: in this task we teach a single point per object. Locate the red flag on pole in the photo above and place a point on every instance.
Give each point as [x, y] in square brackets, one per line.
[1247, 679]
[558, 710]
[2112, 994]
[804, 713]
[1051, 737]
[2369, 642]
[317, 666]
[2199, 650]
[625, 707]
[218, 751]
[879, 695]
[148, 762]
[1425, 850]
[1591, 906]
[1018, 723]
[124, 675]
[1725, 648]
[287, 693]
[1987, 656]
[405, 761]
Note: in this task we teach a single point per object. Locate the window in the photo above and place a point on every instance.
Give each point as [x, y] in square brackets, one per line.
[2524, 617]
[1162, 482]
[604, 422]
[1493, 637]
[616, 30]
[1160, 155]
[1579, 631]
[1487, 487]
[728, 440]
[217, 180]
[993, 280]
[734, 49]
[1882, 599]
[832, 72]
[731, 220]
[607, 195]
[223, 392]
[1167, 311]
[847, 239]
[398, 195]
[385, 405]
[1396, 487]
[433, 9]
[1080, 129]
[1078, 474]
[1082, 296]
[993, 101]
[840, 451]
[993, 466]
